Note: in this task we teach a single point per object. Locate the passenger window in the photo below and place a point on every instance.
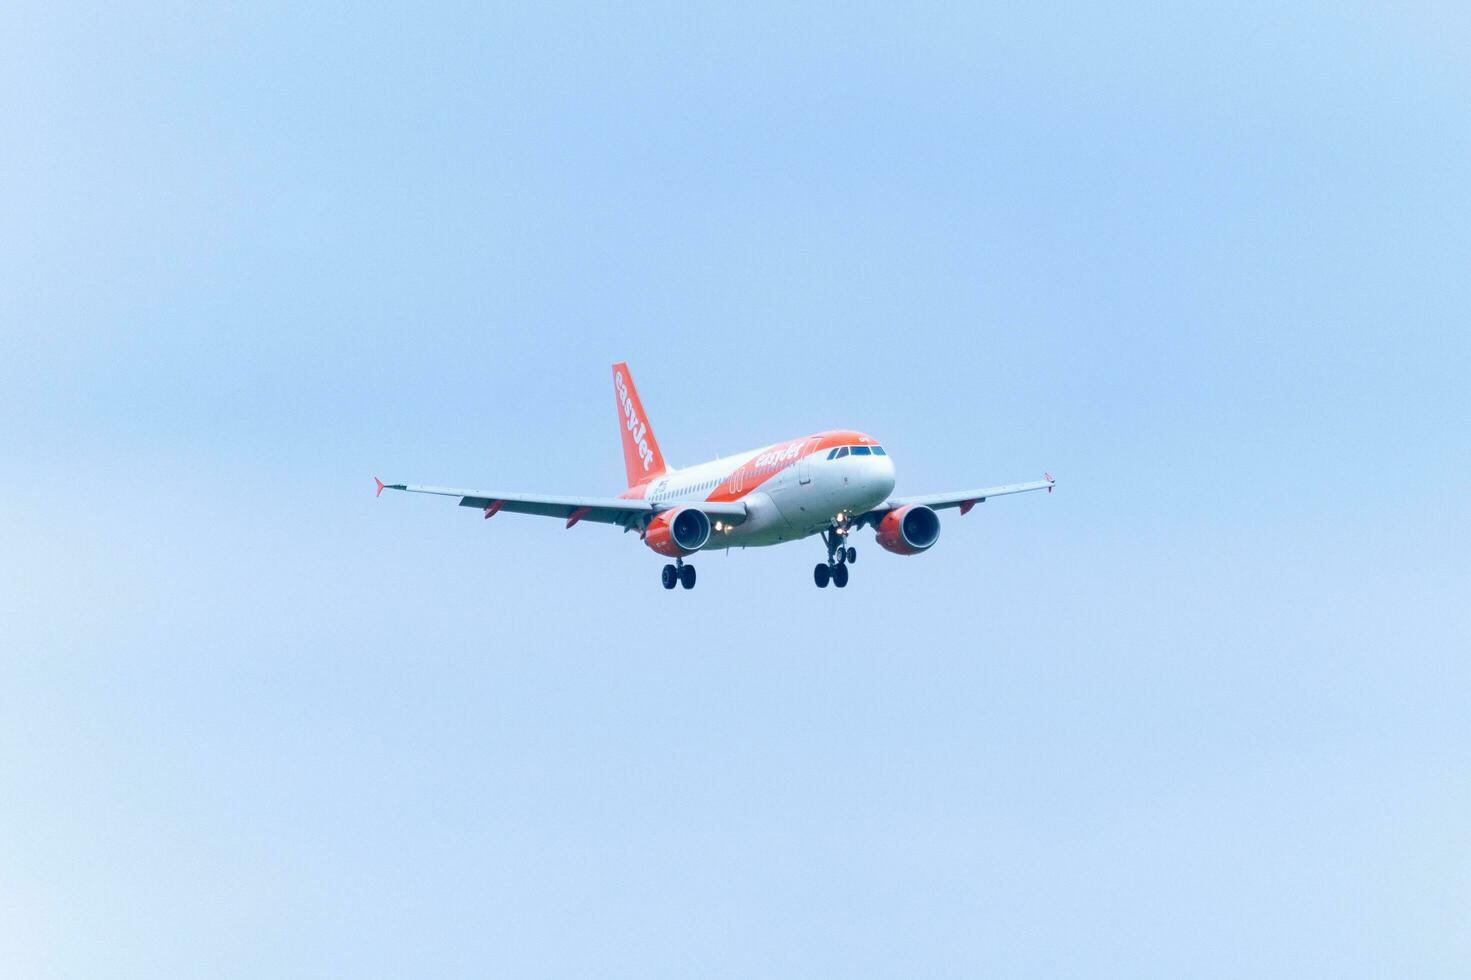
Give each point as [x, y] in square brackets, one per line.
[843, 451]
[860, 450]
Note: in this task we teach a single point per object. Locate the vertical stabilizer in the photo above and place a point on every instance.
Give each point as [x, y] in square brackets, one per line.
[641, 453]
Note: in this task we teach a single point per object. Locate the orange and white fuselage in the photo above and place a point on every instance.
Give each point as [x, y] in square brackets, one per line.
[790, 489]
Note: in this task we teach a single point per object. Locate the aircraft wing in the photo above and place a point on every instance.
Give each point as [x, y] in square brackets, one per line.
[602, 510]
[964, 499]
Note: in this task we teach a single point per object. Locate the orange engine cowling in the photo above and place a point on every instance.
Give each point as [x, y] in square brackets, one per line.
[909, 530]
[678, 532]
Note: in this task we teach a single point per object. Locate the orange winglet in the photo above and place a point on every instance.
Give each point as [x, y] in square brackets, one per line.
[494, 508]
[1050, 480]
[965, 506]
[380, 487]
[577, 515]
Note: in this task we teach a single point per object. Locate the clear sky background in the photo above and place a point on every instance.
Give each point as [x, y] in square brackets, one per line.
[1201, 712]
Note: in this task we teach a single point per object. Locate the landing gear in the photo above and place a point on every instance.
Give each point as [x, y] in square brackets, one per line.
[834, 541]
[678, 574]
[839, 557]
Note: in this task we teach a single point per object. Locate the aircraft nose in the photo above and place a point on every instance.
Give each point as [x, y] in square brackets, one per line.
[884, 474]
[874, 473]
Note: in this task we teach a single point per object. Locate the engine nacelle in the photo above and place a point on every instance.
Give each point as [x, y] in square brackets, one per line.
[909, 530]
[679, 532]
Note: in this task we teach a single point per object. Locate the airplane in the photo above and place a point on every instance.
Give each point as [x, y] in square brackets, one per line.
[830, 483]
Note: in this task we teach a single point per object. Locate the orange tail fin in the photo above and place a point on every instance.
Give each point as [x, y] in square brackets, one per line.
[640, 450]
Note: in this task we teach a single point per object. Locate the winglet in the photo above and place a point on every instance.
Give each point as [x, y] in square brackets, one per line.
[1049, 479]
[380, 487]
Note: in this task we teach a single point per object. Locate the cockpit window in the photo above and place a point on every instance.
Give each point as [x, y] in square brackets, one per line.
[860, 450]
[879, 451]
[832, 454]
[842, 451]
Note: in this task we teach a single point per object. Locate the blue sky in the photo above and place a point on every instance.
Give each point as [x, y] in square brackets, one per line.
[1202, 711]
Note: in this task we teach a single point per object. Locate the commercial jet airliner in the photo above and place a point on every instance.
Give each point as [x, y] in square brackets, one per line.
[828, 483]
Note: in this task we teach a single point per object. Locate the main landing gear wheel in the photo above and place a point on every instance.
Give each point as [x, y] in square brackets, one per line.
[687, 576]
[670, 576]
[852, 555]
[820, 575]
[840, 575]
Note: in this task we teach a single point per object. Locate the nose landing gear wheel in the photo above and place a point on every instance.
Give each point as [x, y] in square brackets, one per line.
[820, 575]
[687, 576]
[840, 575]
[852, 555]
[669, 576]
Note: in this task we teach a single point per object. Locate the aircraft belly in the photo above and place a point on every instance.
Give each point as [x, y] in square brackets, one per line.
[764, 525]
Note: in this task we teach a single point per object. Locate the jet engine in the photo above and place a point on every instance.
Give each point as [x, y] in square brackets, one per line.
[909, 530]
[679, 532]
